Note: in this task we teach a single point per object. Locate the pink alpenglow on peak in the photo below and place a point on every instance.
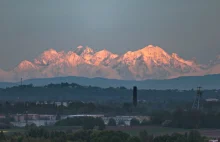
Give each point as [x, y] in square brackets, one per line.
[103, 57]
[48, 57]
[79, 47]
[80, 50]
[26, 65]
[150, 62]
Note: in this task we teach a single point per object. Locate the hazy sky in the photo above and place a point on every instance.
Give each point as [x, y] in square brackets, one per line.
[190, 28]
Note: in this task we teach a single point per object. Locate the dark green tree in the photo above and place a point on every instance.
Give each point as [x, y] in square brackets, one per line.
[134, 122]
[194, 136]
[121, 123]
[145, 137]
[100, 123]
[111, 122]
[116, 139]
[88, 123]
[2, 136]
[134, 139]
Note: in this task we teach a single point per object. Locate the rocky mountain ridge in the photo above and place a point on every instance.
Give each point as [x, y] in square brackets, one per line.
[150, 62]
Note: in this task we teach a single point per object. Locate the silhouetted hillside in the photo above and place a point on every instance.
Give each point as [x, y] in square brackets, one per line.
[181, 83]
[74, 91]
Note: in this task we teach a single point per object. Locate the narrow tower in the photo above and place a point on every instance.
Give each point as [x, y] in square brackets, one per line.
[135, 96]
[21, 81]
[198, 98]
[26, 113]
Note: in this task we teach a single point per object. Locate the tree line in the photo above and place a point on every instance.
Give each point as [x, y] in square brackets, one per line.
[73, 91]
[86, 122]
[189, 119]
[36, 134]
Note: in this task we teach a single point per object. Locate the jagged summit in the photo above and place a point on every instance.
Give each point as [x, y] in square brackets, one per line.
[26, 65]
[104, 53]
[103, 57]
[151, 48]
[48, 57]
[80, 50]
[150, 62]
[79, 47]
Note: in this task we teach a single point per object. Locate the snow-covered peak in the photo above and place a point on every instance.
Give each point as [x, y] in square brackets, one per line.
[79, 47]
[26, 65]
[175, 55]
[148, 54]
[48, 57]
[73, 59]
[105, 53]
[80, 50]
[50, 53]
[103, 57]
[150, 62]
[214, 65]
[215, 61]
[2, 72]
[181, 60]
[150, 49]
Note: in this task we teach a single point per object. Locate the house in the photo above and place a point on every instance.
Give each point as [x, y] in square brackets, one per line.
[213, 140]
[21, 117]
[82, 115]
[118, 119]
[58, 103]
[47, 117]
[142, 118]
[211, 100]
[65, 104]
[125, 119]
[2, 116]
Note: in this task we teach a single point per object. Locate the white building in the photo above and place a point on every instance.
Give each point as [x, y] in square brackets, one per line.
[37, 119]
[213, 140]
[21, 117]
[36, 122]
[211, 100]
[82, 115]
[125, 119]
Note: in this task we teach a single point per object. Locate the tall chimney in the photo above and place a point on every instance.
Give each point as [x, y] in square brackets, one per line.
[135, 96]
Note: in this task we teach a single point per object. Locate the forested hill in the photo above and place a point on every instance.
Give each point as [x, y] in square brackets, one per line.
[181, 83]
[73, 91]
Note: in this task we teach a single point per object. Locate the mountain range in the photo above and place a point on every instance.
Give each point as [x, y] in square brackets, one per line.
[150, 62]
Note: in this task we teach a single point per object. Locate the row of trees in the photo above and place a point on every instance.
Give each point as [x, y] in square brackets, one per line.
[190, 119]
[90, 122]
[75, 107]
[35, 134]
[79, 107]
[86, 122]
[73, 91]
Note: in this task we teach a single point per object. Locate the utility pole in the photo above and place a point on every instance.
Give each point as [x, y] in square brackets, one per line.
[197, 101]
[26, 113]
